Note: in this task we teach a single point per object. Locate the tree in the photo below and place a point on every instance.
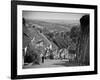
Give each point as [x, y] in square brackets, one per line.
[83, 41]
[74, 33]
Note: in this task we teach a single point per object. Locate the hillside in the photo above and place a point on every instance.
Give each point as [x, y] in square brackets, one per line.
[51, 26]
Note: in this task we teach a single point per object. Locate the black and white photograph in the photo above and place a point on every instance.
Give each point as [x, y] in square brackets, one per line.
[55, 39]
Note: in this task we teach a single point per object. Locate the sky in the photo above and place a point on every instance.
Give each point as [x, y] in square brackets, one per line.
[42, 15]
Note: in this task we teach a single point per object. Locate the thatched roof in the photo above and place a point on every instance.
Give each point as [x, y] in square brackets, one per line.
[26, 37]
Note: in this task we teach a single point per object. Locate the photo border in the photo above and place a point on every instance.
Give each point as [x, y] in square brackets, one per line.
[14, 39]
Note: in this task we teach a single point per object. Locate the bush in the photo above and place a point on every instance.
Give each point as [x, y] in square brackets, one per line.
[32, 56]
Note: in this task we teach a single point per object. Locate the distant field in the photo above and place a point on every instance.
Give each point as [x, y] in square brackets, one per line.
[52, 25]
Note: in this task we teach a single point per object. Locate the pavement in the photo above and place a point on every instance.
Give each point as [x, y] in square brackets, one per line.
[51, 63]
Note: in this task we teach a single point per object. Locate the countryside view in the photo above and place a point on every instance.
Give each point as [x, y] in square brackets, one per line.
[55, 39]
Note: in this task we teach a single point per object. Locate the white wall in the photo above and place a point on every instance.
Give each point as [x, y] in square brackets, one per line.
[5, 29]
